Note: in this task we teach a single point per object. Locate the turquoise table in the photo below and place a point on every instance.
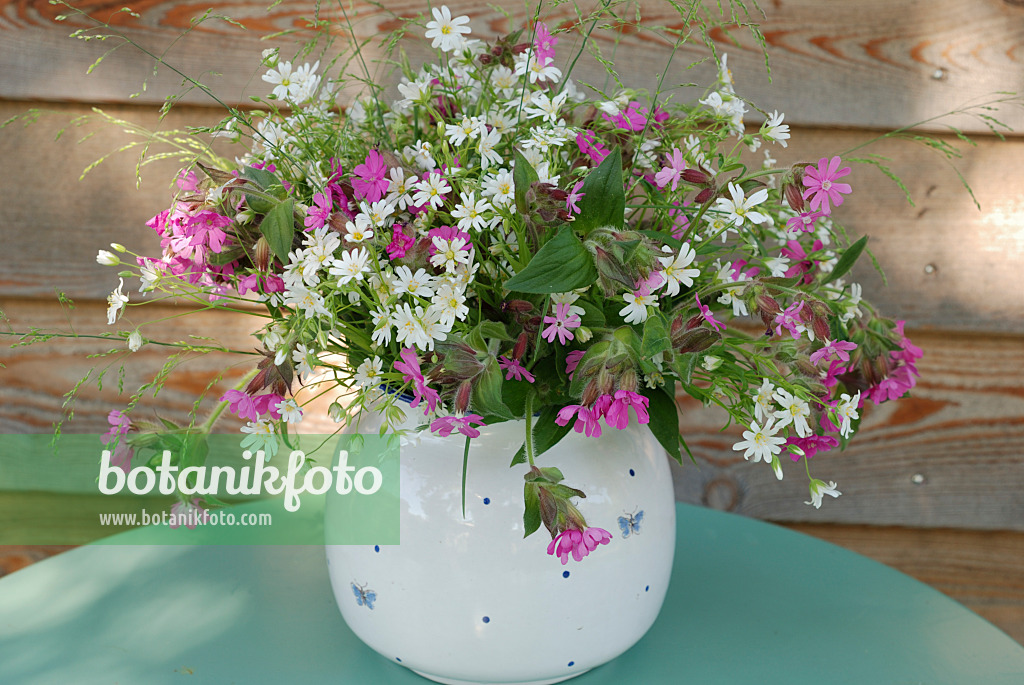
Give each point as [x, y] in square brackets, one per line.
[749, 603]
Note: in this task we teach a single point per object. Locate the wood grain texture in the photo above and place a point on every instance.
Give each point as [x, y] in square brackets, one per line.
[950, 456]
[875, 63]
[950, 266]
[982, 570]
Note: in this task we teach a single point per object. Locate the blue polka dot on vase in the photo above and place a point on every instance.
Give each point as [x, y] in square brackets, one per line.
[571, 664]
[376, 548]
[487, 500]
[632, 472]
[398, 659]
[565, 574]
[487, 619]
[646, 589]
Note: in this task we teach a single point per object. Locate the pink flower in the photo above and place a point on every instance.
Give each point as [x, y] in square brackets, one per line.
[241, 405]
[632, 118]
[680, 222]
[544, 43]
[205, 229]
[561, 324]
[572, 360]
[270, 166]
[574, 196]
[676, 166]
[587, 420]
[811, 445]
[739, 275]
[646, 286]
[790, 320]
[319, 214]
[188, 181]
[369, 179]
[188, 513]
[267, 404]
[834, 349]
[835, 368]
[409, 366]
[577, 543]
[708, 316]
[400, 243]
[804, 222]
[119, 425]
[515, 369]
[821, 184]
[444, 425]
[617, 414]
[588, 144]
[121, 457]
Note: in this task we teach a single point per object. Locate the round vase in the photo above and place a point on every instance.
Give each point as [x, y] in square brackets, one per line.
[465, 598]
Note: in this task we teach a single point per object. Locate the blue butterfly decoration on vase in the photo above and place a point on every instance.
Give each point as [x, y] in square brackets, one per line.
[630, 523]
[364, 596]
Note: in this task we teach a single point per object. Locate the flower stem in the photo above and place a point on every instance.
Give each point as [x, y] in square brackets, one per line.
[208, 424]
[529, 429]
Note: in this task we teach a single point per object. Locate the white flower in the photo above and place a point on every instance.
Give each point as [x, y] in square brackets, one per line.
[527, 63]
[794, 411]
[760, 442]
[819, 489]
[500, 187]
[116, 301]
[458, 133]
[289, 410]
[568, 298]
[635, 310]
[381, 327]
[368, 373]
[675, 270]
[412, 91]
[135, 341]
[470, 212]
[305, 361]
[547, 108]
[732, 296]
[449, 302]
[711, 362]
[449, 253]
[763, 409]
[149, 274]
[488, 155]
[309, 301]
[847, 412]
[261, 438]
[351, 266]
[737, 208]
[410, 331]
[432, 326]
[107, 258]
[776, 131]
[444, 31]
[431, 189]
[399, 187]
[377, 213]
[357, 232]
[778, 266]
[414, 284]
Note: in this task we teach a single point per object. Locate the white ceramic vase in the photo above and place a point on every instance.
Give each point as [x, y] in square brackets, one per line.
[467, 599]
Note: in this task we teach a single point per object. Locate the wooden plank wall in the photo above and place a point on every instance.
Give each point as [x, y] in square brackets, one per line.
[933, 486]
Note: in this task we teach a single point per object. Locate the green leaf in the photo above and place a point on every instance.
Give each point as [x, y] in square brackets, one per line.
[513, 394]
[684, 364]
[486, 330]
[604, 198]
[848, 259]
[264, 181]
[655, 338]
[531, 509]
[278, 227]
[523, 174]
[593, 352]
[664, 418]
[592, 316]
[560, 265]
[487, 391]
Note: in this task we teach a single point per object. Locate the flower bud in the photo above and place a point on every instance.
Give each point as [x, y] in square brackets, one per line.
[583, 334]
[695, 340]
[628, 380]
[705, 195]
[821, 328]
[605, 382]
[695, 176]
[118, 247]
[463, 395]
[520, 347]
[107, 258]
[794, 196]
[261, 254]
[590, 393]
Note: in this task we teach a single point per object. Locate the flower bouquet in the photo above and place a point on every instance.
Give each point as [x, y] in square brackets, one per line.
[500, 244]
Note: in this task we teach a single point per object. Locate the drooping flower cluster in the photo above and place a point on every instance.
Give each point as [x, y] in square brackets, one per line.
[498, 241]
